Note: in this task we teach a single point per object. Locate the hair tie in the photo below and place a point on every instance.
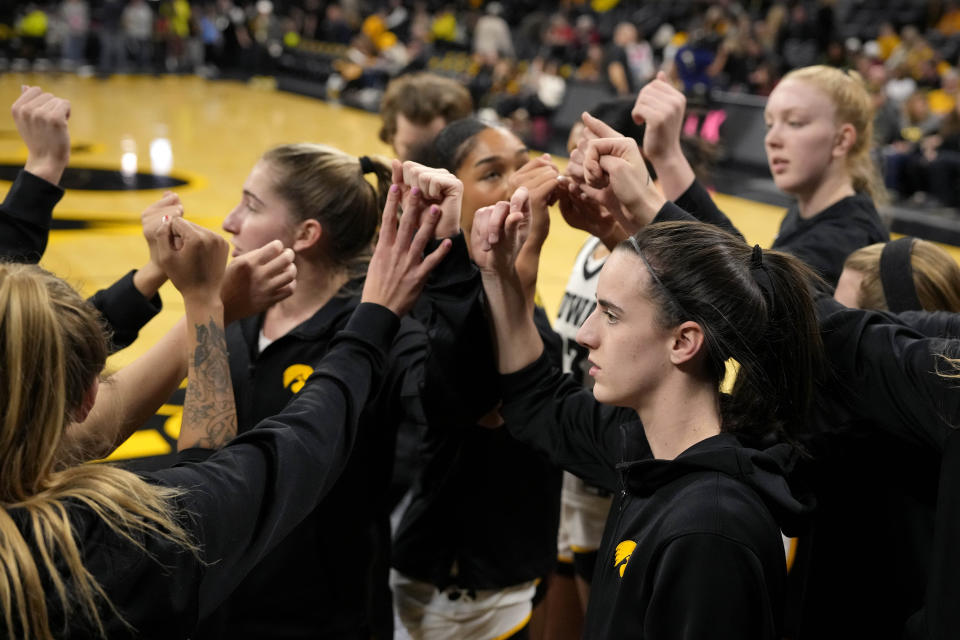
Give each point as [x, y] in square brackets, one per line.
[896, 276]
[760, 275]
[366, 165]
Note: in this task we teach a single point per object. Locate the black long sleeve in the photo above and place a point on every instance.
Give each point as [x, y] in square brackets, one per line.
[125, 310]
[728, 601]
[25, 217]
[555, 414]
[696, 201]
[890, 373]
[460, 371]
[247, 496]
[933, 324]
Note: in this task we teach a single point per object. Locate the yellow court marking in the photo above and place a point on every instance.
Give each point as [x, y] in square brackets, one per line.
[171, 426]
[142, 444]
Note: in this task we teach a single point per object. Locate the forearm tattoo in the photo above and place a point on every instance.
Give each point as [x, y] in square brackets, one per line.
[209, 413]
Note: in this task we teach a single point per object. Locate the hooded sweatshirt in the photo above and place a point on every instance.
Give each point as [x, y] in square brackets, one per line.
[692, 546]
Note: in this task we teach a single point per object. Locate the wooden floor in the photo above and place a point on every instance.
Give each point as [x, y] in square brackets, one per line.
[216, 131]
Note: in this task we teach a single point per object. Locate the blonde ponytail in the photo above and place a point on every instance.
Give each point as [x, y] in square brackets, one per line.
[52, 348]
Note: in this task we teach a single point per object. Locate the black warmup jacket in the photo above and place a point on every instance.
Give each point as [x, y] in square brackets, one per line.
[329, 577]
[894, 383]
[888, 518]
[240, 502]
[25, 218]
[864, 566]
[823, 241]
[692, 546]
[485, 507]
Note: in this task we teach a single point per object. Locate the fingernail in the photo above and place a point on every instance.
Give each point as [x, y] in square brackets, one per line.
[415, 191]
[435, 210]
[394, 188]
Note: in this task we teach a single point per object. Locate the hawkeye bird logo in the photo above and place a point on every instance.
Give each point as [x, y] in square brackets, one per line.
[622, 557]
[295, 376]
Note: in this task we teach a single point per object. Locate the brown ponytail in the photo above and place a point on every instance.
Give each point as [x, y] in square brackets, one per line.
[754, 307]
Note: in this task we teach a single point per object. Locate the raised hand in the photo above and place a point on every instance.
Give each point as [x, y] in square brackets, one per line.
[587, 215]
[499, 232]
[398, 269]
[593, 129]
[661, 106]
[433, 186]
[614, 167]
[256, 280]
[41, 119]
[149, 278]
[539, 176]
[193, 258]
[170, 206]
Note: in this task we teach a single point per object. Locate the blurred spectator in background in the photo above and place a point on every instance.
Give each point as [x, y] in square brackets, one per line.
[416, 107]
[559, 38]
[138, 30]
[902, 173]
[335, 27]
[592, 69]
[886, 115]
[113, 56]
[901, 85]
[797, 40]
[694, 64]
[630, 63]
[944, 99]
[446, 29]
[31, 27]
[913, 51]
[587, 35]
[491, 36]
[888, 40]
[76, 17]
[949, 22]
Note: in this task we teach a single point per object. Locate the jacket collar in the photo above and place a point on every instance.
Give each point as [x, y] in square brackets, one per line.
[329, 319]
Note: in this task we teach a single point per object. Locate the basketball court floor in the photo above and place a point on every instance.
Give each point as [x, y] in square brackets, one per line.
[204, 136]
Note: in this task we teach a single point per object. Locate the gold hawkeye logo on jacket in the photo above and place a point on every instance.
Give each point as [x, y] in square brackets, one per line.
[622, 557]
[295, 376]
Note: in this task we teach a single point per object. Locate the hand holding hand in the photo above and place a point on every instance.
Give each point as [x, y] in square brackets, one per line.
[149, 278]
[434, 186]
[41, 119]
[193, 258]
[499, 232]
[539, 176]
[398, 269]
[587, 215]
[615, 166]
[168, 206]
[257, 280]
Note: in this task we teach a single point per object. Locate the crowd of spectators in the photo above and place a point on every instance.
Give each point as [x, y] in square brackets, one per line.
[520, 58]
